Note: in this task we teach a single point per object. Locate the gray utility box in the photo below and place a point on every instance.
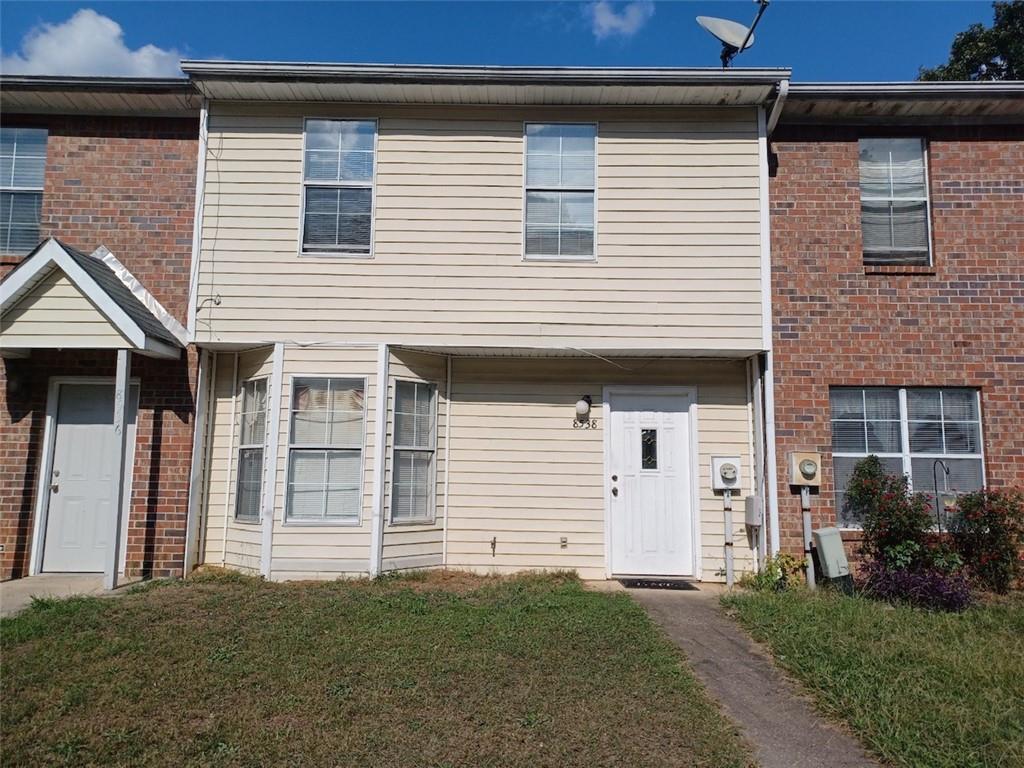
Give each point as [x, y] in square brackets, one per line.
[831, 555]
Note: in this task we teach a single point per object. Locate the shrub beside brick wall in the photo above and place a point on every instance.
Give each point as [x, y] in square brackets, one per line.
[837, 322]
[129, 184]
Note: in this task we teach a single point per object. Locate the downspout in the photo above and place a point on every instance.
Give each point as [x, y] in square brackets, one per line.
[765, 127]
[772, 473]
[447, 458]
[780, 101]
[197, 222]
[757, 397]
[380, 436]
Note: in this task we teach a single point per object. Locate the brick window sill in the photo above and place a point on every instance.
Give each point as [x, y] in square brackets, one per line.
[898, 269]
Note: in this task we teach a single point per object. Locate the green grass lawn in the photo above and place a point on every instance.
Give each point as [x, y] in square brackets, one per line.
[430, 670]
[919, 688]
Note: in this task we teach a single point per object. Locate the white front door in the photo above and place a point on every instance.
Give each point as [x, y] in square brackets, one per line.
[649, 476]
[81, 488]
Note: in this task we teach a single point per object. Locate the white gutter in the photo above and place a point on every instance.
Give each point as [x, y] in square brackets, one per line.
[910, 90]
[198, 70]
[197, 223]
[780, 100]
[380, 436]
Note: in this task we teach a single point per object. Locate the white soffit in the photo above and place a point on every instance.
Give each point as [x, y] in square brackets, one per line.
[394, 84]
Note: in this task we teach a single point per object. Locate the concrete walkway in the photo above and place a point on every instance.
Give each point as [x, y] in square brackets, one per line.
[778, 722]
[18, 594]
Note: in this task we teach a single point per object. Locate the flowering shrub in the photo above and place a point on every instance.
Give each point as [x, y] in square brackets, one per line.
[925, 587]
[896, 523]
[988, 532]
[904, 560]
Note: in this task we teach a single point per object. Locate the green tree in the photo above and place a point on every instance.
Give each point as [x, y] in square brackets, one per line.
[986, 53]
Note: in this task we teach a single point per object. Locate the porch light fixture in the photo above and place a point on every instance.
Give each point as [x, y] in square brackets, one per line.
[583, 408]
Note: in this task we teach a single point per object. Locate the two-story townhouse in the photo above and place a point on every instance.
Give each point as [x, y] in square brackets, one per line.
[897, 224]
[485, 318]
[97, 191]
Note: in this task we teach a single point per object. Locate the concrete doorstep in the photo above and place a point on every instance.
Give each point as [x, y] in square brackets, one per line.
[775, 717]
[17, 594]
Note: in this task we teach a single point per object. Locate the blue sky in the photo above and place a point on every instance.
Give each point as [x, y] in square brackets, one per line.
[820, 40]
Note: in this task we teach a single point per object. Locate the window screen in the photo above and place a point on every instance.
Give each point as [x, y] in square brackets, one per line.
[894, 201]
[908, 429]
[415, 441]
[325, 451]
[560, 173]
[338, 186]
[22, 167]
[249, 486]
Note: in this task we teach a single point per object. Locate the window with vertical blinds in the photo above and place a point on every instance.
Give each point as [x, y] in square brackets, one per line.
[415, 443]
[894, 201]
[325, 450]
[22, 168]
[908, 429]
[337, 204]
[249, 485]
[560, 190]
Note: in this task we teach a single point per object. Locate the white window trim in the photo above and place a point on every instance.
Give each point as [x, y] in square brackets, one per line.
[431, 518]
[371, 185]
[237, 457]
[558, 257]
[927, 204]
[331, 522]
[905, 454]
[41, 189]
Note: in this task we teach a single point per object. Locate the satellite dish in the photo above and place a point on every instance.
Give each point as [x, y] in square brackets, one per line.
[734, 36]
[731, 33]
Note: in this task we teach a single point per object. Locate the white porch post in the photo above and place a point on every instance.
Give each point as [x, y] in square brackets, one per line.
[270, 451]
[379, 453]
[121, 447]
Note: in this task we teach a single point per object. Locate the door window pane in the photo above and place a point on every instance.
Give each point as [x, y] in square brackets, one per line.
[648, 449]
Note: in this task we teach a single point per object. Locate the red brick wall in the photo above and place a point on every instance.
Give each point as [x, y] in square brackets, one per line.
[835, 322]
[128, 184]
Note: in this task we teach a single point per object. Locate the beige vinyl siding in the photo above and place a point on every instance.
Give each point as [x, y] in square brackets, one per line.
[324, 550]
[228, 542]
[522, 475]
[416, 545]
[56, 314]
[677, 217]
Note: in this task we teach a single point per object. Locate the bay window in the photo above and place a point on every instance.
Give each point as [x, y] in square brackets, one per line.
[325, 451]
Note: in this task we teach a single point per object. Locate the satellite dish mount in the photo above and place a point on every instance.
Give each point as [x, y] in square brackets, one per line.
[734, 36]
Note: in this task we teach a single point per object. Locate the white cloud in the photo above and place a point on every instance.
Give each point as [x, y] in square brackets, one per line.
[607, 22]
[87, 44]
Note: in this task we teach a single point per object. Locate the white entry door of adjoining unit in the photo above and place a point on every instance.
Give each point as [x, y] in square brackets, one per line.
[81, 488]
[649, 484]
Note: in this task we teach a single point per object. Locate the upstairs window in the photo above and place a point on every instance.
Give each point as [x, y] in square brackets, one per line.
[560, 173]
[249, 486]
[412, 486]
[22, 165]
[337, 204]
[894, 202]
[325, 450]
[908, 429]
